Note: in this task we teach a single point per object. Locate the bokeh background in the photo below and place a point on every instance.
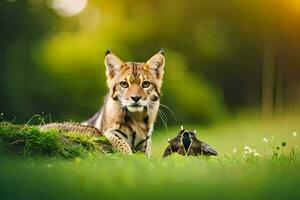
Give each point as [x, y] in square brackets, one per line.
[223, 58]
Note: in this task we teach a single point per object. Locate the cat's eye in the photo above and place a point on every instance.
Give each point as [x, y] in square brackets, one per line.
[146, 84]
[124, 84]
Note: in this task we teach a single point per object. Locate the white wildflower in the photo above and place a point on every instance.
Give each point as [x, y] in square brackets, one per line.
[265, 140]
[294, 134]
[257, 154]
[254, 151]
[247, 148]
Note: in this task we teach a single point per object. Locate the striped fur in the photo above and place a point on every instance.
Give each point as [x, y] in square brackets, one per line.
[131, 106]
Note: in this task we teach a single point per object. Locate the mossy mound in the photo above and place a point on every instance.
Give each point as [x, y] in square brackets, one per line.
[31, 141]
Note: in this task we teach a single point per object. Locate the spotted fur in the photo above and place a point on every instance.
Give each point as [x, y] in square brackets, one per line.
[74, 127]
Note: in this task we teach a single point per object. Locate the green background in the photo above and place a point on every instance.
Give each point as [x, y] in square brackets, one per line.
[223, 58]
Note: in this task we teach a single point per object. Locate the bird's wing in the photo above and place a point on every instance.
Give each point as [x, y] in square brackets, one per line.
[174, 146]
[202, 148]
[181, 150]
[168, 151]
[176, 143]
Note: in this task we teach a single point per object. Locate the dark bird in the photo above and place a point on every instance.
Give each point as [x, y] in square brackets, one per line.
[187, 144]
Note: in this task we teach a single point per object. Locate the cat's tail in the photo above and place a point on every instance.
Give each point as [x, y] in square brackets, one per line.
[72, 127]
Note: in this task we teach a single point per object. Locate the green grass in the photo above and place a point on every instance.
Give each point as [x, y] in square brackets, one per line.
[237, 134]
[115, 176]
[28, 140]
[121, 177]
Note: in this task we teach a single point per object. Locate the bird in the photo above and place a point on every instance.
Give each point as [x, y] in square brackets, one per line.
[187, 144]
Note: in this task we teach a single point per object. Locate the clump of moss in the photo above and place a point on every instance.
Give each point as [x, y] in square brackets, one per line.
[31, 141]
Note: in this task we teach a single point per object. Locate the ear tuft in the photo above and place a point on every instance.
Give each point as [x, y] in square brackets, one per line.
[113, 64]
[161, 51]
[156, 65]
[181, 128]
[108, 51]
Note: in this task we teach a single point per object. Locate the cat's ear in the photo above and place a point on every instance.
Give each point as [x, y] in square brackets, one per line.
[113, 64]
[156, 64]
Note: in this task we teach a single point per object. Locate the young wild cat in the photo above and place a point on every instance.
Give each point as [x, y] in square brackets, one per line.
[131, 106]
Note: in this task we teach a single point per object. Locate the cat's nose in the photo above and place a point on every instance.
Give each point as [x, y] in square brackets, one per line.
[135, 98]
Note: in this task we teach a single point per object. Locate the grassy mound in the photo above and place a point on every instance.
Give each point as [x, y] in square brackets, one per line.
[30, 141]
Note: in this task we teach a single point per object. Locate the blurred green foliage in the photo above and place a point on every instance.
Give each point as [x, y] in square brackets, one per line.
[214, 52]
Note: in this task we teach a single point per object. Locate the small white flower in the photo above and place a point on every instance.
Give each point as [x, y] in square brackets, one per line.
[265, 140]
[294, 134]
[246, 152]
[247, 148]
[234, 150]
[272, 138]
[257, 154]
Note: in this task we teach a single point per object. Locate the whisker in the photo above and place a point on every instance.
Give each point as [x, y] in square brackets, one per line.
[164, 115]
[162, 119]
[172, 113]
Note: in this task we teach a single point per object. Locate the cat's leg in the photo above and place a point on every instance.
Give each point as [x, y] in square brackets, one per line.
[117, 142]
